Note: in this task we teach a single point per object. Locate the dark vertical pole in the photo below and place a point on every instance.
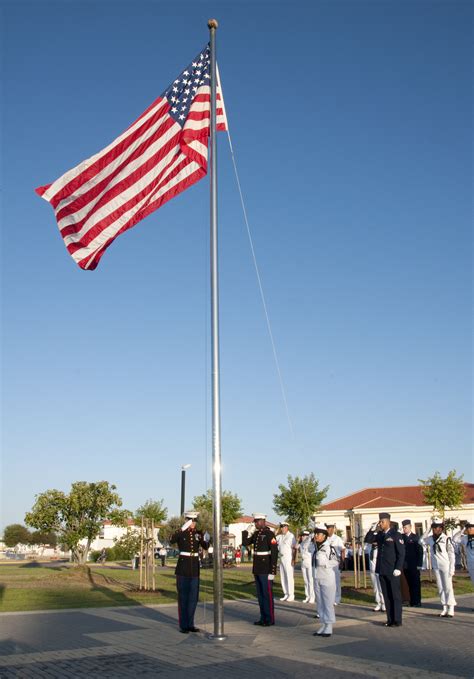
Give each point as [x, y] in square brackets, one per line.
[183, 486]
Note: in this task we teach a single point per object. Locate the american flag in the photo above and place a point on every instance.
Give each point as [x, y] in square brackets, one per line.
[162, 153]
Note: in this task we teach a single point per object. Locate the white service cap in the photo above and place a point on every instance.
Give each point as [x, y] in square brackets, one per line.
[258, 516]
[191, 515]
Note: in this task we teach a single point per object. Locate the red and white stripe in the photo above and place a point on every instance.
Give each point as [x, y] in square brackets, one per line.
[152, 161]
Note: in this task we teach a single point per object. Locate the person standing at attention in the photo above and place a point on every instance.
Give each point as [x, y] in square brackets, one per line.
[390, 559]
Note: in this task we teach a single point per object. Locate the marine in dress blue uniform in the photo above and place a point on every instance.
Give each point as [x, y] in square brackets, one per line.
[390, 559]
[413, 562]
[187, 571]
[265, 557]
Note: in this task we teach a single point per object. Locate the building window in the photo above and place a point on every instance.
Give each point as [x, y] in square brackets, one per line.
[419, 528]
[348, 534]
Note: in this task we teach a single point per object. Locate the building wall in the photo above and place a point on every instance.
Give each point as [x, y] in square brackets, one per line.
[365, 518]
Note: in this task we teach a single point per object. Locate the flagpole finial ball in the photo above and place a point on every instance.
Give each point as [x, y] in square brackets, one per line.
[212, 23]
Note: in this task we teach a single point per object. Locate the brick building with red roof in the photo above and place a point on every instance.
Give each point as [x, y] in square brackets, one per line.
[357, 511]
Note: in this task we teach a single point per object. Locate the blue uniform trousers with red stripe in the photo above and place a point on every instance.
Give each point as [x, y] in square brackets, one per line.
[265, 598]
[188, 593]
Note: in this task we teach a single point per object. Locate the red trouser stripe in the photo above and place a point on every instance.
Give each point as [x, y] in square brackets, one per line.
[270, 596]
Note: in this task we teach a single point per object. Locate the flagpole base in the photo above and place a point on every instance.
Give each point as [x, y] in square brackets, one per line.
[216, 637]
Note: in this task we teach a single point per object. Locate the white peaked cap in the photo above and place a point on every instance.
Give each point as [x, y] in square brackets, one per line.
[436, 521]
[191, 515]
[320, 528]
[258, 516]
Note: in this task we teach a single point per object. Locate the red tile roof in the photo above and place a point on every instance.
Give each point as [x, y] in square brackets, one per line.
[395, 496]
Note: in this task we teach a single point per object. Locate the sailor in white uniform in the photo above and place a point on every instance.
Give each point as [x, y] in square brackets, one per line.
[287, 550]
[466, 539]
[324, 576]
[443, 563]
[340, 548]
[371, 550]
[306, 548]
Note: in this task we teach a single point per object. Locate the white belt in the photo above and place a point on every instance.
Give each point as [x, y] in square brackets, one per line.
[262, 553]
[188, 554]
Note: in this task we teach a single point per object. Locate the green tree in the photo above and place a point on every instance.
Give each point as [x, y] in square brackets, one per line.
[128, 545]
[299, 500]
[174, 524]
[445, 493]
[77, 516]
[152, 509]
[43, 538]
[231, 505]
[16, 534]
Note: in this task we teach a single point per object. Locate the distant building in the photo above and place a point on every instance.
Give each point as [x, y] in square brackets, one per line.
[357, 511]
[109, 534]
[235, 529]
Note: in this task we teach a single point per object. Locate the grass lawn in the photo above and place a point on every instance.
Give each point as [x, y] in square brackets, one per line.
[33, 586]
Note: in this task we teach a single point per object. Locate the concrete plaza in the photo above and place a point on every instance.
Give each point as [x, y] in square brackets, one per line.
[145, 641]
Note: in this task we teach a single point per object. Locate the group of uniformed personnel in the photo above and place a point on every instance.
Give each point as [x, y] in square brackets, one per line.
[321, 557]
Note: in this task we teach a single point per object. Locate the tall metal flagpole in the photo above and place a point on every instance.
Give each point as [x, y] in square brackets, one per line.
[216, 423]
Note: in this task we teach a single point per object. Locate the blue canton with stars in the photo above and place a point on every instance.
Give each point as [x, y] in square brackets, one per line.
[182, 91]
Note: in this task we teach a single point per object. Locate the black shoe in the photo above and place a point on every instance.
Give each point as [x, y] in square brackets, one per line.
[388, 624]
[325, 635]
[183, 631]
[396, 624]
[259, 622]
[448, 615]
[416, 605]
[194, 629]
[316, 616]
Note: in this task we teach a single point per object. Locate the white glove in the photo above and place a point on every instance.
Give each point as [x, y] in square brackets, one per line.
[419, 568]
[186, 525]
[397, 573]
[251, 529]
[207, 537]
[373, 527]
[271, 577]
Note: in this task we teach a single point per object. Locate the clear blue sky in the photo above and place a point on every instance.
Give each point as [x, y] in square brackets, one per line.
[352, 127]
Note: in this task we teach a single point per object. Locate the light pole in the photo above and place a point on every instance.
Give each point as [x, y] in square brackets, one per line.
[183, 484]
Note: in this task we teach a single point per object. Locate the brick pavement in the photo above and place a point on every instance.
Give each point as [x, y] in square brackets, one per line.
[144, 641]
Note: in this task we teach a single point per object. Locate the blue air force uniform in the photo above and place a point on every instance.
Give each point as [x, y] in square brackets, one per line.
[265, 557]
[390, 560]
[412, 565]
[187, 574]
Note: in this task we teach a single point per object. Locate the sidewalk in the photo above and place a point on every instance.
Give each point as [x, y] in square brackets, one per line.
[144, 641]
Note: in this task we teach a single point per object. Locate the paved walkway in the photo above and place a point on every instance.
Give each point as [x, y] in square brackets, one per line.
[144, 641]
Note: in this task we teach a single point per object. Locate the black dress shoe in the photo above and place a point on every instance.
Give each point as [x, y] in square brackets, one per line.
[259, 622]
[396, 624]
[183, 631]
[194, 629]
[416, 605]
[326, 635]
[388, 624]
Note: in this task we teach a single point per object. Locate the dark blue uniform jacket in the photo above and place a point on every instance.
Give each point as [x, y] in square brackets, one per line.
[391, 550]
[413, 552]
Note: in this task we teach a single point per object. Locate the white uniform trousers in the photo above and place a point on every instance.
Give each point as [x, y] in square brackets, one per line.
[445, 587]
[338, 585]
[307, 571]
[325, 590]
[287, 576]
[377, 588]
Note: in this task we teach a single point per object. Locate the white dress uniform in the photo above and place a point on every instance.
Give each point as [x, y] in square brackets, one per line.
[467, 541]
[324, 574]
[372, 550]
[443, 563]
[336, 542]
[286, 544]
[307, 548]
